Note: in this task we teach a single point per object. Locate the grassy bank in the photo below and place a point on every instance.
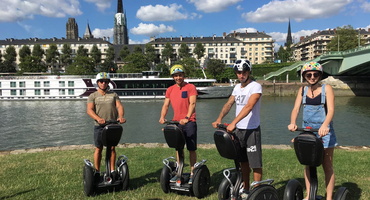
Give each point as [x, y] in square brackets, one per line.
[58, 174]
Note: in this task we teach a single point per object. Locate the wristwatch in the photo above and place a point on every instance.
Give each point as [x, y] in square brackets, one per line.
[186, 117]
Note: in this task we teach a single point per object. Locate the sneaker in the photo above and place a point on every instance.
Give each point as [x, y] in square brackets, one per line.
[244, 194]
[190, 180]
[173, 179]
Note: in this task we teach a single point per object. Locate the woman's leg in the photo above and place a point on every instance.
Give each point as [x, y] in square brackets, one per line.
[329, 172]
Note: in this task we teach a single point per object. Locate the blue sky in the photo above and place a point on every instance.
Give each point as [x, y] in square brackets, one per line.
[22, 19]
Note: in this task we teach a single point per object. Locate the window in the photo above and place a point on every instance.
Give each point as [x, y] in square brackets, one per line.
[13, 92]
[22, 84]
[62, 83]
[46, 92]
[71, 92]
[13, 84]
[37, 84]
[62, 92]
[37, 92]
[46, 83]
[22, 92]
[71, 83]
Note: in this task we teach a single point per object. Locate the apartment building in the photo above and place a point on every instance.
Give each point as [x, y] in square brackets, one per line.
[257, 47]
[314, 45]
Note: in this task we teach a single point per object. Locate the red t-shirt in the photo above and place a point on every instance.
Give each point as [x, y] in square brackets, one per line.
[179, 98]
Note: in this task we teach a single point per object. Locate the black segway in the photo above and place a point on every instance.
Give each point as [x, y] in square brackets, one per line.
[201, 176]
[119, 179]
[232, 185]
[309, 151]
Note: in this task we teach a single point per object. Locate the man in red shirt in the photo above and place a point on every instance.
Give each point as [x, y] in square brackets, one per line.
[182, 96]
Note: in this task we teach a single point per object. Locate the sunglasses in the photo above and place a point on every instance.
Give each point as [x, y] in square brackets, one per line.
[103, 81]
[309, 75]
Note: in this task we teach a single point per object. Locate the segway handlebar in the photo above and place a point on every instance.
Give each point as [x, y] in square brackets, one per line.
[309, 129]
[109, 122]
[172, 122]
[222, 126]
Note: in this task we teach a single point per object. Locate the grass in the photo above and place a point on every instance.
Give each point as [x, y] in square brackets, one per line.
[58, 174]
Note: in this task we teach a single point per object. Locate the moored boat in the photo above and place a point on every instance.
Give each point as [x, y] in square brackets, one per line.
[145, 85]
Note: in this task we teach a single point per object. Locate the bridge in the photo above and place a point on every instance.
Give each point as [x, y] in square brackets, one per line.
[354, 62]
[346, 69]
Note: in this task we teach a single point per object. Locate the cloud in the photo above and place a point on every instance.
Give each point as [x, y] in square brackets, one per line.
[161, 13]
[100, 4]
[100, 33]
[19, 10]
[366, 6]
[151, 29]
[243, 30]
[298, 10]
[209, 6]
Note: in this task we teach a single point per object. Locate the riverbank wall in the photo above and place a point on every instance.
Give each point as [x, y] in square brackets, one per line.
[343, 86]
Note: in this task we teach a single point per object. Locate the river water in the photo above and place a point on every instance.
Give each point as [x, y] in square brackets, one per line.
[34, 124]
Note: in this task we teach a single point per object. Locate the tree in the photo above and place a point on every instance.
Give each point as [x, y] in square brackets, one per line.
[124, 52]
[24, 52]
[96, 55]
[284, 54]
[81, 51]
[52, 56]
[66, 56]
[136, 63]
[82, 65]
[215, 68]
[36, 59]
[150, 54]
[346, 38]
[191, 66]
[109, 60]
[184, 51]
[167, 53]
[199, 50]
[8, 65]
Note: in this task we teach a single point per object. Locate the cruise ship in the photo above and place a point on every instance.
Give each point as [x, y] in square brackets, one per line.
[145, 85]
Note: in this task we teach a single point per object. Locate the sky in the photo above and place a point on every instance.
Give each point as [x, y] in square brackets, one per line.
[22, 19]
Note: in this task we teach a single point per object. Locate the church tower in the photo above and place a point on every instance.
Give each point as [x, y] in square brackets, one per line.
[88, 32]
[71, 29]
[289, 40]
[120, 26]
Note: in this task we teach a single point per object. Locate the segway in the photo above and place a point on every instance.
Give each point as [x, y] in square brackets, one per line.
[232, 184]
[94, 181]
[309, 151]
[201, 176]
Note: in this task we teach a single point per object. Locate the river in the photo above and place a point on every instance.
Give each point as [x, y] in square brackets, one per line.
[35, 124]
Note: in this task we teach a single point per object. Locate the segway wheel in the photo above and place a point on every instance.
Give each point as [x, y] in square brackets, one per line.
[88, 181]
[293, 190]
[342, 194]
[202, 180]
[166, 176]
[125, 176]
[264, 192]
[224, 188]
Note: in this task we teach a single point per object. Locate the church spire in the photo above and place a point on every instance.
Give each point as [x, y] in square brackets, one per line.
[88, 32]
[289, 39]
[120, 35]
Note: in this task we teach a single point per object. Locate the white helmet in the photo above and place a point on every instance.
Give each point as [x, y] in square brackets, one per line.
[242, 65]
[102, 76]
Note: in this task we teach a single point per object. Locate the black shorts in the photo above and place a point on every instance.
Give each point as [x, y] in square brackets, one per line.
[98, 136]
[250, 143]
[190, 132]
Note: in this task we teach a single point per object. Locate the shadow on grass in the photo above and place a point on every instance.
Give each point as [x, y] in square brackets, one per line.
[144, 180]
[17, 194]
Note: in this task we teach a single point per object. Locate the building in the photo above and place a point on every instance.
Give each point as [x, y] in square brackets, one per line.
[314, 45]
[257, 47]
[120, 35]
[71, 29]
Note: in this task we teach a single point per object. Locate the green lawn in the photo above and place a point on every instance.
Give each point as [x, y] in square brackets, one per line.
[58, 174]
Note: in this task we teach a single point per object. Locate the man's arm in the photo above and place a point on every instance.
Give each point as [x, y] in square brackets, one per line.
[164, 110]
[121, 112]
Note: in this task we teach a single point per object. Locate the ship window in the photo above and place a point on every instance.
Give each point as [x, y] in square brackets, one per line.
[13, 92]
[22, 92]
[62, 91]
[71, 92]
[71, 83]
[38, 92]
[37, 84]
[22, 84]
[46, 92]
[62, 83]
[13, 84]
[46, 83]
